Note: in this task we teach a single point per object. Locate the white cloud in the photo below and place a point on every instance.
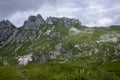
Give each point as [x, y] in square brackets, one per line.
[91, 13]
[101, 22]
[96, 8]
[19, 17]
[104, 21]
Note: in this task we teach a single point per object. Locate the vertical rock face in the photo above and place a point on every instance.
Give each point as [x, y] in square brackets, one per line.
[51, 20]
[7, 32]
[34, 22]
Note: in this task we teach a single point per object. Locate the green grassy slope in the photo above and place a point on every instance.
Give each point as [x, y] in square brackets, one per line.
[90, 54]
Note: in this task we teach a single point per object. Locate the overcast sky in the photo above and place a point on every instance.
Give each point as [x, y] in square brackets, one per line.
[89, 12]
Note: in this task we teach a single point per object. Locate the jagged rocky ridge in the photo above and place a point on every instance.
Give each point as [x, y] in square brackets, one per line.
[33, 30]
[33, 23]
[7, 32]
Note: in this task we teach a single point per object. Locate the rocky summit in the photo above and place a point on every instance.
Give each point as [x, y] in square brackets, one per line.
[34, 22]
[58, 49]
[7, 32]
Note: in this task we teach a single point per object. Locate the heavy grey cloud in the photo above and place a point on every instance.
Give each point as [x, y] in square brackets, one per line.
[89, 12]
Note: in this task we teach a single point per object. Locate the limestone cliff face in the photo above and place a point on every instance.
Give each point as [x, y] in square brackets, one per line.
[67, 22]
[7, 32]
[34, 22]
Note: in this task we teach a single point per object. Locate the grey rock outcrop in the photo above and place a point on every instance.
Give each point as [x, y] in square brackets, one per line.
[67, 22]
[34, 22]
[7, 32]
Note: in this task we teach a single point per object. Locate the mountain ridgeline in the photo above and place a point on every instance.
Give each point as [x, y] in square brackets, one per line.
[33, 24]
[58, 49]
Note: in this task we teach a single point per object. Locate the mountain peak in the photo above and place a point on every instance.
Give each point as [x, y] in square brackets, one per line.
[34, 22]
[7, 32]
[6, 23]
